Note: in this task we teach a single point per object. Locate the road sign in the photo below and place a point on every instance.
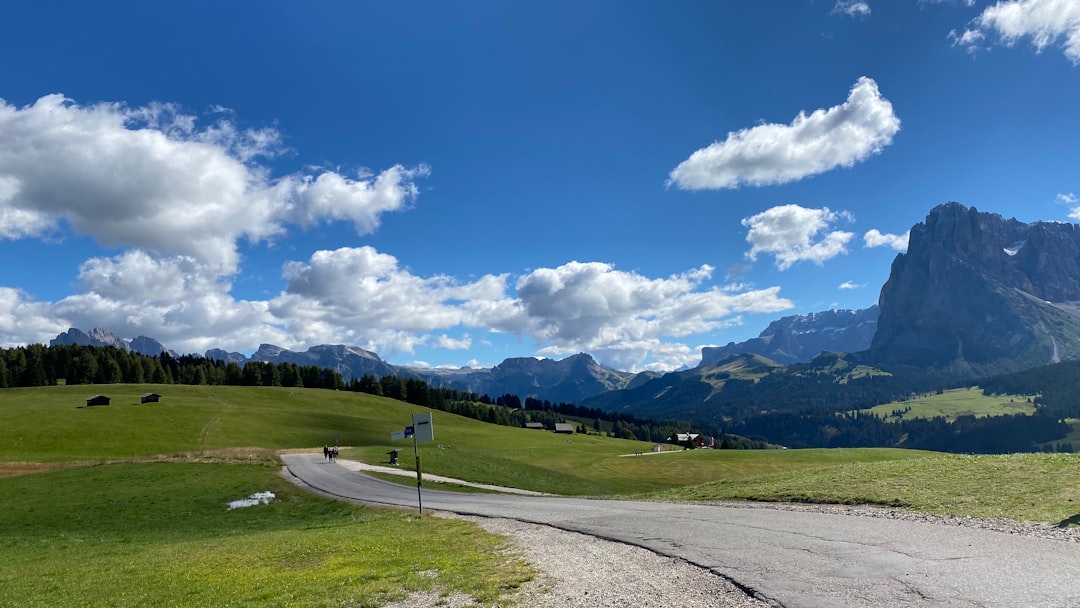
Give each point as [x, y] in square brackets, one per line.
[423, 428]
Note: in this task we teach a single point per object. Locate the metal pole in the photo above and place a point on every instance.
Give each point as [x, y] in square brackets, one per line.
[416, 454]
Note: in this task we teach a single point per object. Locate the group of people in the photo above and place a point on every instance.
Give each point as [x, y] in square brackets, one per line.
[329, 454]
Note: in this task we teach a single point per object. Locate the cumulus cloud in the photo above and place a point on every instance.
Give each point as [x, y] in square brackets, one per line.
[876, 238]
[851, 8]
[622, 316]
[1044, 22]
[846, 285]
[363, 297]
[792, 233]
[825, 139]
[1067, 199]
[149, 178]
[360, 294]
[175, 300]
[619, 317]
[23, 320]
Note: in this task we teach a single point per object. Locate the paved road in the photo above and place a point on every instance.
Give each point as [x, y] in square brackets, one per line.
[794, 559]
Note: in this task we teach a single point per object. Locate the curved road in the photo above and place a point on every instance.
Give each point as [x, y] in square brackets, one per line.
[790, 558]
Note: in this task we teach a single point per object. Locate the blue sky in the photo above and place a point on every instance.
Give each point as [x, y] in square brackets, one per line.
[453, 184]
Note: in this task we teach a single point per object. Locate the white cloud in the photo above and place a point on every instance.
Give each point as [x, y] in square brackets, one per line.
[362, 201]
[825, 139]
[620, 317]
[846, 285]
[444, 341]
[792, 233]
[176, 300]
[24, 321]
[1045, 22]
[363, 296]
[851, 8]
[876, 238]
[1068, 199]
[149, 178]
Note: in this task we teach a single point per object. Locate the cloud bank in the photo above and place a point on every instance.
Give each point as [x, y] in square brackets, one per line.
[150, 178]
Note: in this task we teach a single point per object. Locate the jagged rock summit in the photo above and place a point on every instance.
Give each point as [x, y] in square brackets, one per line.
[100, 337]
[798, 338]
[979, 293]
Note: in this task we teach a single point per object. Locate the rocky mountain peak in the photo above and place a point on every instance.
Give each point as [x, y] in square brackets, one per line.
[975, 289]
[95, 337]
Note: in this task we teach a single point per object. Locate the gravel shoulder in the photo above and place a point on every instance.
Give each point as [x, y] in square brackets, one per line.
[577, 570]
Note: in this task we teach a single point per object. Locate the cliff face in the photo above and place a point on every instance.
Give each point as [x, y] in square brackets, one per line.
[977, 291]
[798, 338]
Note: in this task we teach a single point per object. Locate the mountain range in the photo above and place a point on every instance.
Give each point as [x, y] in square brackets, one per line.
[975, 294]
[798, 338]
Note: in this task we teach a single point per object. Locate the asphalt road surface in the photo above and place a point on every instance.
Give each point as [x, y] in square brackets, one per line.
[793, 559]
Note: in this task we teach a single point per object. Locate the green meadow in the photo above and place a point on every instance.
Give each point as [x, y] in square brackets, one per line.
[957, 402]
[126, 504]
[160, 534]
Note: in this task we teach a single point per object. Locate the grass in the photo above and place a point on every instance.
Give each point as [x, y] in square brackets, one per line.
[160, 534]
[594, 466]
[124, 504]
[953, 403]
[1037, 487]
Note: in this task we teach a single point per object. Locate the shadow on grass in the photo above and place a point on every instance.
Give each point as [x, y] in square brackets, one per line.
[1070, 521]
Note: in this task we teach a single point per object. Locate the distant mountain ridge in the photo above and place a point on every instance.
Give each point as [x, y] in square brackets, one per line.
[100, 337]
[975, 294]
[798, 338]
[569, 380]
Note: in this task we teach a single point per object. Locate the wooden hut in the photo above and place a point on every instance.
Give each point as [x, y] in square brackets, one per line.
[150, 398]
[97, 400]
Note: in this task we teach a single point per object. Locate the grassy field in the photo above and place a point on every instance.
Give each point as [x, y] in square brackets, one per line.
[1036, 487]
[957, 402]
[107, 502]
[161, 534]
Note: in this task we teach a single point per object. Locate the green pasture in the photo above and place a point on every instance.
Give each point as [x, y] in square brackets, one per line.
[1036, 487]
[134, 512]
[602, 466]
[52, 424]
[958, 402]
[161, 534]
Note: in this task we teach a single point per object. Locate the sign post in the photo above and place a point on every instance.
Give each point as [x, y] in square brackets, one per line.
[421, 430]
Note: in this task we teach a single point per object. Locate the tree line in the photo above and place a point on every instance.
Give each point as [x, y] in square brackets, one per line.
[38, 365]
[965, 434]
